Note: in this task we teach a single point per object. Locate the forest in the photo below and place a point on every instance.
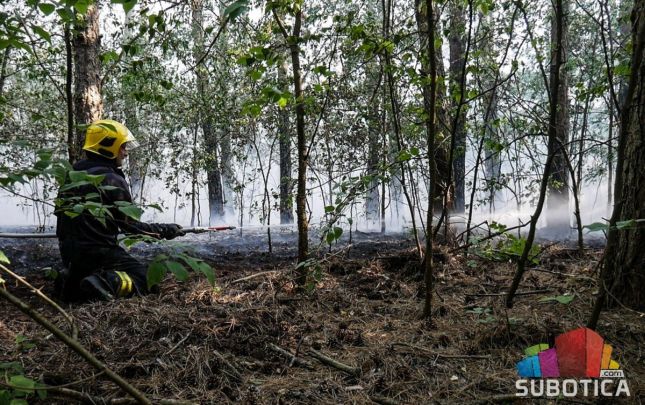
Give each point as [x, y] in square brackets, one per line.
[390, 201]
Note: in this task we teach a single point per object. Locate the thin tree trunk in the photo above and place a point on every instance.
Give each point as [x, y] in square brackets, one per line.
[284, 133]
[3, 69]
[556, 66]
[211, 141]
[458, 56]
[424, 13]
[558, 187]
[303, 157]
[88, 104]
[69, 94]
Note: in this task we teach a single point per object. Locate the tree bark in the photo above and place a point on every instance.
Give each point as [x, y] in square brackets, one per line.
[424, 13]
[554, 85]
[293, 40]
[211, 141]
[623, 273]
[558, 191]
[88, 103]
[456, 40]
[286, 181]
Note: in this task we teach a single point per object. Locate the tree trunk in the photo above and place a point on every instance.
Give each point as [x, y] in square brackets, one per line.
[211, 142]
[424, 13]
[136, 157]
[623, 273]
[456, 40]
[3, 69]
[554, 85]
[558, 191]
[88, 104]
[286, 182]
[293, 40]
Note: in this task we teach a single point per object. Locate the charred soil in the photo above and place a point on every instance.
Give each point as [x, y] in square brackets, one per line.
[222, 345]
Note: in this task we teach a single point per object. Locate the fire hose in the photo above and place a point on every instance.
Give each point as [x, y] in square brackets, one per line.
[197, 229]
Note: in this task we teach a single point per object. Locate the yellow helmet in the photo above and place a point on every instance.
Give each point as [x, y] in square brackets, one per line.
[105, 137]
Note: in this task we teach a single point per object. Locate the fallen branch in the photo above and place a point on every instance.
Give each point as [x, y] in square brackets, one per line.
[44, 298]
[444, 356]
[563, 274]
[293, 359]
[383, 400]
[233, 372]
[518, 293]
[333, 363]
[178, 344]
[87, 398]
[262, 273]
[74, 345]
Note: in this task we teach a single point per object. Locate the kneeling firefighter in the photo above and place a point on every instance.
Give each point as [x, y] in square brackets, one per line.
[96, 266]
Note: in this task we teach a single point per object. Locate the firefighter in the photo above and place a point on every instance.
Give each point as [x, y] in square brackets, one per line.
[96, 267]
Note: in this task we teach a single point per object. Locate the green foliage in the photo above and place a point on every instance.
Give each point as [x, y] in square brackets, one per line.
[483, 314]
[178, 262]
[314, 273]
[20, 388]
[620, 225]
[506, 247]
[562, 299]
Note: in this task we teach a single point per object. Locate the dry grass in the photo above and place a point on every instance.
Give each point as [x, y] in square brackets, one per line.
[364, 313]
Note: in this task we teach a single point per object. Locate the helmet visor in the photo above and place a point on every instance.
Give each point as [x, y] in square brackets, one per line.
[130, 142]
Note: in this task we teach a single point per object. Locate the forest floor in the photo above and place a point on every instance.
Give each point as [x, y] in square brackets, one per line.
[206, 345]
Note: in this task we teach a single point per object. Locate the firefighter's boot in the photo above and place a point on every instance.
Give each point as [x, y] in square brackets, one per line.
[108, 285]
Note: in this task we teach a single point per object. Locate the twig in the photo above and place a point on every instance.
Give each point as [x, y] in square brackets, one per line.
[74, 345]
[262, 273]
[45, 298]
[444, 356]
[563, 274]
[383, 400]
[333, 363]
[87, 398]
[54, 387]
[178, 344]
[291, 357]
[518, 293]
[233, 371]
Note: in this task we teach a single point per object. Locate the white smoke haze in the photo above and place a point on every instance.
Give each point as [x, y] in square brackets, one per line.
[20, 213]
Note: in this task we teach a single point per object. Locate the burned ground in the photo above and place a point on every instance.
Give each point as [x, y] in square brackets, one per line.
[206, 345]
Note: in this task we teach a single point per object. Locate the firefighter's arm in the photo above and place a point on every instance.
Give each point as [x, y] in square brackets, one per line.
[129, 225]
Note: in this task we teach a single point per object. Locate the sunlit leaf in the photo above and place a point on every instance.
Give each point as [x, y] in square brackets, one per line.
[3, 258]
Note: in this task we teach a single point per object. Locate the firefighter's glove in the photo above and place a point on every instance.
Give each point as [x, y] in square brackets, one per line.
[171, 231]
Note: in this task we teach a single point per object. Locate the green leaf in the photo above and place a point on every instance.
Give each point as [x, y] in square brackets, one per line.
[597, 226]
[25, 384]
[330, 208]
[42, 33]
[338, 232]
[46, 8]
[82, 5]
[156, 273]
[178, 270]
[208, 272]
[132, 211]
[236, 9]
[129, 5]
[3, 258]
[562, 299]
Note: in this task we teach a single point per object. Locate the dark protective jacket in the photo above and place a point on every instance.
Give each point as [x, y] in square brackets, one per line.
[85, 230]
